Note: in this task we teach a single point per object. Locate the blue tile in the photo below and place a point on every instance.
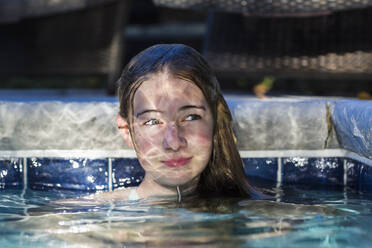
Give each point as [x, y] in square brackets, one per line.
[79, 173]
[126, 172]
[265, 168]
[11, 173]
[365, 181]
[325, 171]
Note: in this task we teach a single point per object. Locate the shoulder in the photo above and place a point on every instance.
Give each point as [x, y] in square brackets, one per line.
[116, 195]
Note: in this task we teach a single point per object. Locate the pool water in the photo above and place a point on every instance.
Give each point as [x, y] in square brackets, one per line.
[297, 217]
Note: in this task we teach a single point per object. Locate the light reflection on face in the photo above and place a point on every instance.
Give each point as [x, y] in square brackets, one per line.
[172, 129]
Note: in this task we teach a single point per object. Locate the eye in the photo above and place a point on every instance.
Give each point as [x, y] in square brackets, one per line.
[152, 122]
[192, 117]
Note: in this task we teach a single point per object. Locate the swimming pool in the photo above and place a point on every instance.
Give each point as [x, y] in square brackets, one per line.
[330, 218]
[314, 155]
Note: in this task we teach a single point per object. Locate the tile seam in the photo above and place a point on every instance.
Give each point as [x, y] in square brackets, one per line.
[279, 173]
[109, 169]
[25, 174]
[278, 180]
[345, 172]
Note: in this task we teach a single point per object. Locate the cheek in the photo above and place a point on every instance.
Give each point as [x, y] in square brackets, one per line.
[148, 144]
[200, 138]
[147, 151]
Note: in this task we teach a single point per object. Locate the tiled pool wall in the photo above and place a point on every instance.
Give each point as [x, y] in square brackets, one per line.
[41, 173]
[326, 169]
[55, 145]
[323, 167]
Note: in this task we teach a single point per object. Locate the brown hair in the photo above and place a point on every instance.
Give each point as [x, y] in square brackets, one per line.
[224, 174]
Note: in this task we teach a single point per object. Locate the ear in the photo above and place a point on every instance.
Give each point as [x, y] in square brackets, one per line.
[124, 130]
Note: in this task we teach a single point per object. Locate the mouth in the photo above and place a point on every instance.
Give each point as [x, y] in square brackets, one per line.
[177, 162]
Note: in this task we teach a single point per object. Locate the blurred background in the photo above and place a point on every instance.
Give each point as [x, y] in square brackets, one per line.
[258, 47]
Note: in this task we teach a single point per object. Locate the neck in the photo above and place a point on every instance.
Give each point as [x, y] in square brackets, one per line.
[150, 187]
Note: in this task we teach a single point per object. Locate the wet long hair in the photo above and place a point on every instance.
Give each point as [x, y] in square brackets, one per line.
[224, 174]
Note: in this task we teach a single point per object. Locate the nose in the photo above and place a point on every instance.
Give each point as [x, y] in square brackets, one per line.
[172, 138]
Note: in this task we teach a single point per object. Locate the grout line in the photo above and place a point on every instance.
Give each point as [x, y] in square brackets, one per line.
[293, 153]
[25, 174]
[129, 153]
[279, 173]
[345, 172]
[109, 168]
[345, 180]
[22, 196]
[305, 153]
[279, 180]
[359, 158]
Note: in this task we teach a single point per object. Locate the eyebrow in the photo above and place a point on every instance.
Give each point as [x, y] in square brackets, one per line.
[147, 111]
[191, 106]
[180, 109]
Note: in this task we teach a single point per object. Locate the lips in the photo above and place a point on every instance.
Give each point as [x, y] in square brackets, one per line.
[177, 162]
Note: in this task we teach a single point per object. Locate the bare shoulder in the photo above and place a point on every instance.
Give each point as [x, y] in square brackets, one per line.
[98, 198]
[116, 195]
[89, 200]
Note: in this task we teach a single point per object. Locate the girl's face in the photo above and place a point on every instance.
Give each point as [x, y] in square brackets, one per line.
[172, 129]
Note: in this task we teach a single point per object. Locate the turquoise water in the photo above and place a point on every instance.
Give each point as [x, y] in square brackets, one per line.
[298, 218]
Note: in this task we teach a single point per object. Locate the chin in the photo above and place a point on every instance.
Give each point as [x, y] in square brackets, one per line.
[175, 181]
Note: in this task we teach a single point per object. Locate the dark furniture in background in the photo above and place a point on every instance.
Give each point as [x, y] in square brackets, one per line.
[320, 47]
[333, 46]
[307, 41]
[62, 38]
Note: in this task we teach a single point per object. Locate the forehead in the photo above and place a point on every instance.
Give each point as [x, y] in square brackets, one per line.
[162, 90]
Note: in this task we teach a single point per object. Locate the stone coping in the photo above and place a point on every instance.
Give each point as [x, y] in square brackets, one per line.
[273, 124]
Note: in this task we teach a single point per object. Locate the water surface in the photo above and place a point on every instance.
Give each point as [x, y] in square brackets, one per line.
[299, 217]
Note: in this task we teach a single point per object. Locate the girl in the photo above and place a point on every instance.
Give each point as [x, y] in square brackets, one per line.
[173, 114]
